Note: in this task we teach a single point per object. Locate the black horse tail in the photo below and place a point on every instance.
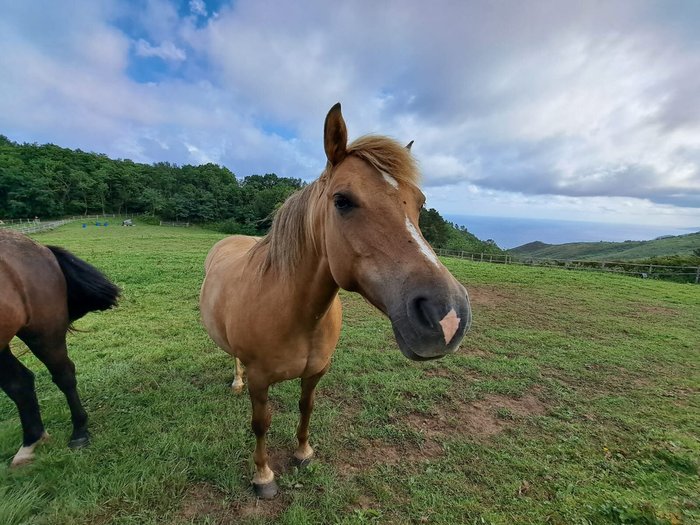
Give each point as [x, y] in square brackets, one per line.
[88, 290]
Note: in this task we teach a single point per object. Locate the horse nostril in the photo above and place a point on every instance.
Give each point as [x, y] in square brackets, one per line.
[424, 312]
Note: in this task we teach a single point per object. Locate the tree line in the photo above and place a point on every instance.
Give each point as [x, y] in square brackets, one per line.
[48, 181]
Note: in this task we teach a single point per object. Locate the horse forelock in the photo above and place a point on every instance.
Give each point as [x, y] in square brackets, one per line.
[292, 230]
[388, 156]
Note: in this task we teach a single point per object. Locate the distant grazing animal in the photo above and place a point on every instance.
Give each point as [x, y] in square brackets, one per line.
[273, 302]
[43, 290]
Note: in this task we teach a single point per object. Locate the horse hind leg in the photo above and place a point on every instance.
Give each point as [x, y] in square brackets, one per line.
[54, 355]
[18, 383]
[237, 385]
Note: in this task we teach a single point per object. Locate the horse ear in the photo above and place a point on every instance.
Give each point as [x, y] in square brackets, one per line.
[408, 146]
[335, 136]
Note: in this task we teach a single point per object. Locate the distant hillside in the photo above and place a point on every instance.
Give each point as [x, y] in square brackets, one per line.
[442, 234]
[599, 251]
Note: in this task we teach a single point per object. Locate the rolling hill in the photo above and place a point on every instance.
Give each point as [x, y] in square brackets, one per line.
[628, 250]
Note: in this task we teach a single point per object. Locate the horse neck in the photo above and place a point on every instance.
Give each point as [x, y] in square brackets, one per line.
[309, 289]
[314, 286]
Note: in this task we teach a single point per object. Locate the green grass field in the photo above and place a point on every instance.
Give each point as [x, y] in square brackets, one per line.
[573, 400]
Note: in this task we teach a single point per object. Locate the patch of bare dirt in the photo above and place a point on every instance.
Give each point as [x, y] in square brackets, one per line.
[645, 311]
[481, 418]
[280, 460]
[681, 392]
[348, 404]
[490, 296]
[365, 502]
[464, 374]
[377, 452]
[514, 307]
[600, 379]
[203, 500]
[467, 348]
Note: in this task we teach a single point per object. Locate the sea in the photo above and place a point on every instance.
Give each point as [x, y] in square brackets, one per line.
[509, 232]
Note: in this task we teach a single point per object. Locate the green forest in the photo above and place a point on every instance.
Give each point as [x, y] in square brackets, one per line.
[48, 181]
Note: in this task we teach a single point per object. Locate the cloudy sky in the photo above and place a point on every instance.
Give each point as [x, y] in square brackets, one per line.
[584, 110]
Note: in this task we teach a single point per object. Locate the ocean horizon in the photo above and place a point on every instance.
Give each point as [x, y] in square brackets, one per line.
[510, 232]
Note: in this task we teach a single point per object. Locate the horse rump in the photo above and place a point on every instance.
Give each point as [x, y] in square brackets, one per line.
[88, 289]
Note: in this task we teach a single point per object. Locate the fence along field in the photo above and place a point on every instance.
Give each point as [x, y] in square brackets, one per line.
[644, 270]
[30, 226]
[574, 399]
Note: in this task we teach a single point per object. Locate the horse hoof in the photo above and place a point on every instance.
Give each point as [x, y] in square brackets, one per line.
[79, 442]
[265, 490]
[302, 463]
[21, 460]
[25, 454]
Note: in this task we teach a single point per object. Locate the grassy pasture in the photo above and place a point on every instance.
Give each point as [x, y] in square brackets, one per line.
[573, 400]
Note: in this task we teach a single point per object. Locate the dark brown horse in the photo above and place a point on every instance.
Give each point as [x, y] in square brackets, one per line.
[42, 291]
[273, 302]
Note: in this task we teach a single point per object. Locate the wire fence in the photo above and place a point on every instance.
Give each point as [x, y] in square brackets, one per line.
[644, 270]
[36, 227]
[28, 226]
[175, 223]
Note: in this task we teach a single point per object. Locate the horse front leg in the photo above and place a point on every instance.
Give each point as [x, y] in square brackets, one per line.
[18, 383]
[304, 452]
[264, 478]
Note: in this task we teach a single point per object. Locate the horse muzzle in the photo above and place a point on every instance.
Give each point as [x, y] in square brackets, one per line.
[431, 324]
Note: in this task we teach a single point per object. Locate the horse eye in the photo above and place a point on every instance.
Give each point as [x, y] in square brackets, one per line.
[342, 203]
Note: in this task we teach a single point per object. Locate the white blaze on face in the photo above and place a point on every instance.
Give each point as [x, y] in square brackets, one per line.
[450, 324]
[422, 245]
[391, 180]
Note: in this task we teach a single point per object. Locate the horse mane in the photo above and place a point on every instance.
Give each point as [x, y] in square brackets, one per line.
[292, 229]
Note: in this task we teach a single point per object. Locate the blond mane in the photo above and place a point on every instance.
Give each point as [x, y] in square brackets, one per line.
[292, 227]
[387, 155]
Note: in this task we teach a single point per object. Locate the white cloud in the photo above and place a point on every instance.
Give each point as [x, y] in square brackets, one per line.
[198, 7]
[166, 50]
[566, 106]
[465, 199]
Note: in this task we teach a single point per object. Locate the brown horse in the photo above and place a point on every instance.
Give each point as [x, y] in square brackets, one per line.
[44, 289]
[273, 302]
